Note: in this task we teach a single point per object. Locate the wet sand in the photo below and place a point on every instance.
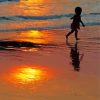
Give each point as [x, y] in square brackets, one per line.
[49, 72]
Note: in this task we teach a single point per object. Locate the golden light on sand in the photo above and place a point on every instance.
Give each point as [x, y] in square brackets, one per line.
[27, 75]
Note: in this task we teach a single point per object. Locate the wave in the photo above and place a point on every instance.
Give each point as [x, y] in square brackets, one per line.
[92, 23]
[9, 0]
[51, 18]
[46, 28]
[25, 18]
[94, 13]
[46, 17]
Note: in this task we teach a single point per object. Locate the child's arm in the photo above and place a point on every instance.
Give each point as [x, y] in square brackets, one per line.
[82, 23]
[72, 17]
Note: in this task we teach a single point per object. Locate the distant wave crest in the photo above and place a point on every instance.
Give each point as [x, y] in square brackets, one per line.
[46, 17]
[25, 18]
[9, 0]
[94, 13]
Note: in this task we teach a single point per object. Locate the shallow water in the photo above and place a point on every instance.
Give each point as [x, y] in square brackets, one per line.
[49, 72]
[53, 69]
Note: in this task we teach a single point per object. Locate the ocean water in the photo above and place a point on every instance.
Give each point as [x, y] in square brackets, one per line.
[22, 15]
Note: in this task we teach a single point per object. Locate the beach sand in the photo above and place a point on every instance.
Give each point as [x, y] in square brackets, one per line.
[55, 78]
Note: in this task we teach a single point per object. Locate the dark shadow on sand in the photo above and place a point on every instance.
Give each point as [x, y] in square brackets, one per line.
[17, 45]
[10, 45]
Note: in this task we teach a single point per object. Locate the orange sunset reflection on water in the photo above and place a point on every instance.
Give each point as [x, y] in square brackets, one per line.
[35, 1]
[34, 36]
[28, 75]
[32, 1]
[32, 7]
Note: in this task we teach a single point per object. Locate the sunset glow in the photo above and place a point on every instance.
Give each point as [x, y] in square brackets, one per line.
[35, 1]
[33, 33]
[27, 75]
[34, 36]
[33, 7]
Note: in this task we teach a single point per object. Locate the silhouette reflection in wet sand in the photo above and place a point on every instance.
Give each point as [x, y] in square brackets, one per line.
[75, 56]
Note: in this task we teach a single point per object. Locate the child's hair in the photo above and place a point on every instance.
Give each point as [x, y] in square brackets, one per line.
[78, 10]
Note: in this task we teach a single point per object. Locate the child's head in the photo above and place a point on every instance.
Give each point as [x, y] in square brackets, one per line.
[78, 10]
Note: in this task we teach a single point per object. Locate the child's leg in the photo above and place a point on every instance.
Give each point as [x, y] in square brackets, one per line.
[69, 33]
[76, 33]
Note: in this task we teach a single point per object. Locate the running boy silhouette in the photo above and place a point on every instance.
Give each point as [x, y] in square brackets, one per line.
[76, 23]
